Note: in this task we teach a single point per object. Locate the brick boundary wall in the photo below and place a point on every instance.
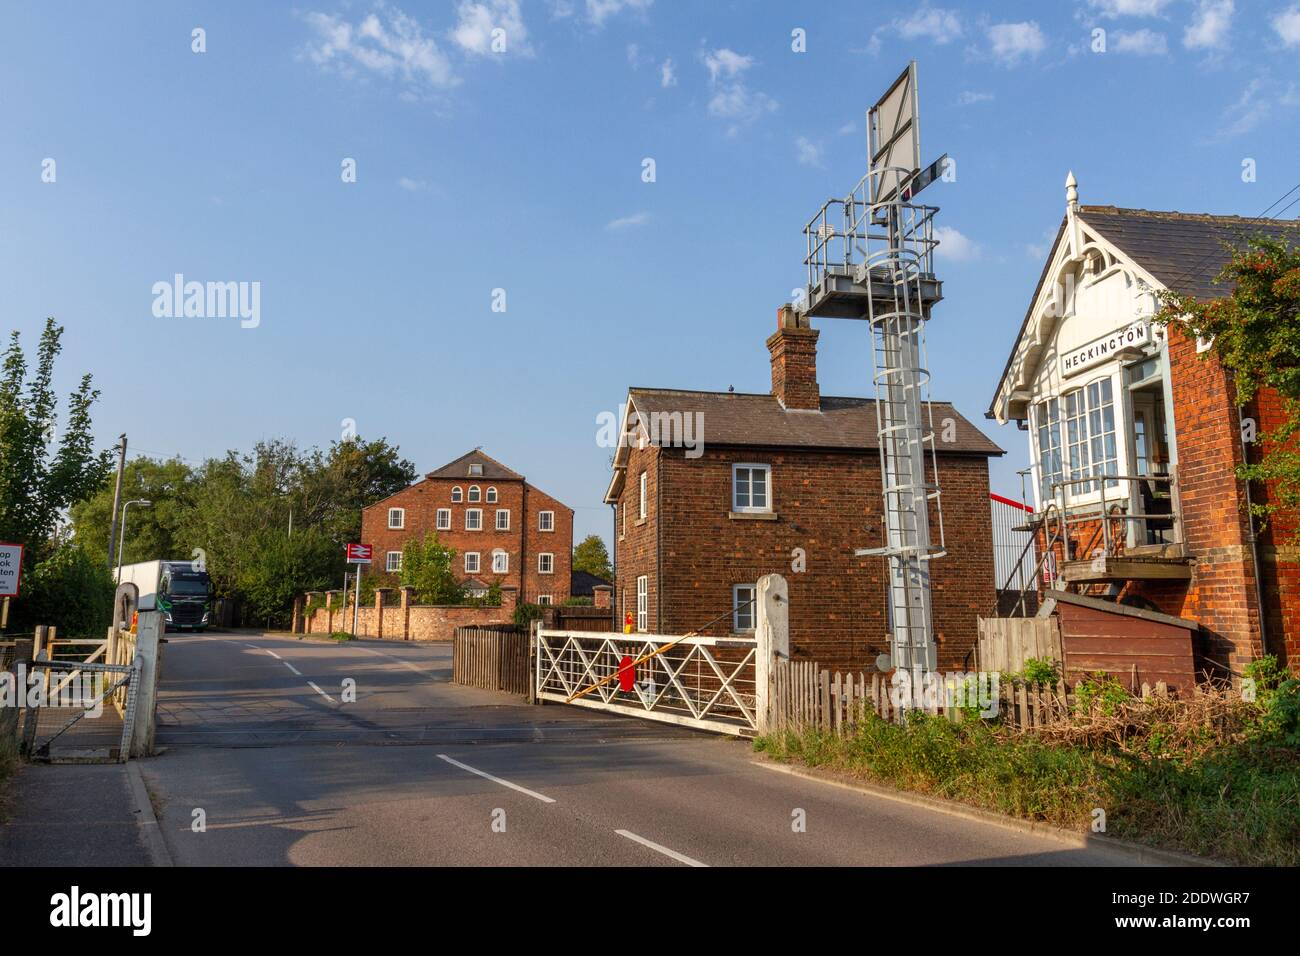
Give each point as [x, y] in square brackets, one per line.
[406, 620]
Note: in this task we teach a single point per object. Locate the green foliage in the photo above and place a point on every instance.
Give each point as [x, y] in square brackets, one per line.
[1266, 672]
[491, 599]
[341, 636]
[427, 567]
[284, 567]
[1100, 690]
[525, 614]
[578, 602]
[590, 555]
[1256, 335]
[1280, 715]
[69, 590]
[1039, 671]
[44, 467]
[158, 532]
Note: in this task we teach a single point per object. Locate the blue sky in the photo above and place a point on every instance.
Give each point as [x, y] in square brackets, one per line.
[522, 170]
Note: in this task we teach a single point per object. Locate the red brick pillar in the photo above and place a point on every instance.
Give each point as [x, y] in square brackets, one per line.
[329, 611]
[381, 596]
[407, 593]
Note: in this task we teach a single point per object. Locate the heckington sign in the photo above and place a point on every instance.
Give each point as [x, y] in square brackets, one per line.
[1133, 335]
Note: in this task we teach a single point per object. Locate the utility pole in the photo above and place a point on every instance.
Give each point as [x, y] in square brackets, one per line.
[117, 497]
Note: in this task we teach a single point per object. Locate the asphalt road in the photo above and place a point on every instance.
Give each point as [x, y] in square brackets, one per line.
[263, 747]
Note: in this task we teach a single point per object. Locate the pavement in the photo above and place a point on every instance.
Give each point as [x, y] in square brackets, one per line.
[276, 751]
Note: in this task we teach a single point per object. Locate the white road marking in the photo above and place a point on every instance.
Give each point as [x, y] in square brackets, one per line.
[292, 668]
[274, 654]
[313, 686]
[505, 783]
[679, 857]
[406, 664]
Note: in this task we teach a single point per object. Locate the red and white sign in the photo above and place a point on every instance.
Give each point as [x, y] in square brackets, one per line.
[11, 569]
[360, 554]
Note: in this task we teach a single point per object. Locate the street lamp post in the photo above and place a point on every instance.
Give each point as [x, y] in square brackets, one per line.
[121, 544]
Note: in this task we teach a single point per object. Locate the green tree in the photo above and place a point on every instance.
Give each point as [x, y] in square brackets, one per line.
[281, 567]
[69, 589]
[427, 567]
[590, 555]
[1256, 336]
[44, 469]
[156, 532]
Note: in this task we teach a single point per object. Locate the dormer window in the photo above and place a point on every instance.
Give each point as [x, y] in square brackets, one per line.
[492, 495]
[474, 493]
[455, 495]
[475, 470]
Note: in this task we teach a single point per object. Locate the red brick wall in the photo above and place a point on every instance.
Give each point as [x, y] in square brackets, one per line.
[636, 542]
[1279, 553]
[522, 542]
[826, 503]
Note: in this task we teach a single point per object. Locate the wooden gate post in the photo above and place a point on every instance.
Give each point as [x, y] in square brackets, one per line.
[147, 649]
[772, 631]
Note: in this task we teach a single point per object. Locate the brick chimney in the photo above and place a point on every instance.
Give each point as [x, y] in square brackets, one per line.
[794, 361]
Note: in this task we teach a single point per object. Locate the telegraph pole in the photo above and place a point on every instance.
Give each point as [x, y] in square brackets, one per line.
[117, 497]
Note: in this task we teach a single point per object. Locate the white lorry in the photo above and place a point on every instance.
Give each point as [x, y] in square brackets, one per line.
[177, 588]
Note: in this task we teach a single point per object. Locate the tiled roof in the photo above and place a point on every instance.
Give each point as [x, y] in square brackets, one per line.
[734, 418]
[1184, 251]
[582, 582]
[493, 470]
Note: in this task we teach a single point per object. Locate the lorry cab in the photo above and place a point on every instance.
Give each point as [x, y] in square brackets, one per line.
[184, 596]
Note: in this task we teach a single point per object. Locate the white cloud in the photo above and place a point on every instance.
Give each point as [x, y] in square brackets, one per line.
[971, 97]
[476, 21]
[412, 185]
[1287, 25]
[627, 222]
[849, 127]
[954, 246]
[598, 11]
[1011, 42]
[1140, 42]
[1128, 8]
[667, 74]
[732, 99]
[1251, 108]
[941, 26]
[1210, 24]
[392, 45]
[807, 152]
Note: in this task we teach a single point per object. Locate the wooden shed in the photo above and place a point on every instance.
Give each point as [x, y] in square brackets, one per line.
[1136, 646]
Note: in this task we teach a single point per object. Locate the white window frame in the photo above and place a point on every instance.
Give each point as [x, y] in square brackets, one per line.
[544, 600]
[456, 494]
[541, 520]
[477, 513]
[490, 496]
[642, 509]
[391, 566]
[1083, 441]
[442, 519]
[476, 470]
[738, 597]
[475, 495]
[500, 562]
[642, 603]
[541, 560]
[502, 513]
[477, 562]
[401, 519]
[749, 507]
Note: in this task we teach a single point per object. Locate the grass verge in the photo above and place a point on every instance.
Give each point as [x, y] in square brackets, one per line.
[1238, 801]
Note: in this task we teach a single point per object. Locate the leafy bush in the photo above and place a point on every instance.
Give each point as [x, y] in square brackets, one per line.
[427, 567]
[578, 602]
[525, 614]
[1039, 671]
[68, 590]
[1102, 690]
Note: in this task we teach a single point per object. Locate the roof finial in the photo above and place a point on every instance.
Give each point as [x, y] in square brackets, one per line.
[1072, 192]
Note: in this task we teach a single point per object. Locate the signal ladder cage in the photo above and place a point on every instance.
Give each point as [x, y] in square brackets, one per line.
[874, 261]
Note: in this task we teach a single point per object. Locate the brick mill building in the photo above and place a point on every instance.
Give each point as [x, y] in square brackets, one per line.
[713, 490]
[503, 529]
[1140, 422]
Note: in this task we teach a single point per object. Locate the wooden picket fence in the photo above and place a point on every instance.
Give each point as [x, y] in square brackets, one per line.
[807, 695]
[491, 657]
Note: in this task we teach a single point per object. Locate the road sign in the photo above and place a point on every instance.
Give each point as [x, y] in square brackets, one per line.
[11, 569]
[360, 554]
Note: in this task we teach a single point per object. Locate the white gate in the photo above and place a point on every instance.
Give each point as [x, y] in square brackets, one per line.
[721, 684]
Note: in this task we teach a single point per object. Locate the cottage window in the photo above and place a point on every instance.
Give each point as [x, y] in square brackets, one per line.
[544, 599]
[503, 519]
[473, 519]
[491, 496]
[742, 607]
[500, 562]
[397, 518]
[546, 521]
[751, 487]
[474, 493]
[642, 602]
[546, 563]
[443, 519]
[456, 495]
[471, 562]
[393, 562]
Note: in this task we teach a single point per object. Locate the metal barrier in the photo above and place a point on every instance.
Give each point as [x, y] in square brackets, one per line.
[709, 683]
[1107, 512]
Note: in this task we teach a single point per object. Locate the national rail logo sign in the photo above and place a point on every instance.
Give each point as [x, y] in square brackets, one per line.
[360, 553]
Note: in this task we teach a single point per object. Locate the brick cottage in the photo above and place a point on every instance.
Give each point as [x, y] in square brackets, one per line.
[786, 482]
[1140, 422]
[503, 529]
